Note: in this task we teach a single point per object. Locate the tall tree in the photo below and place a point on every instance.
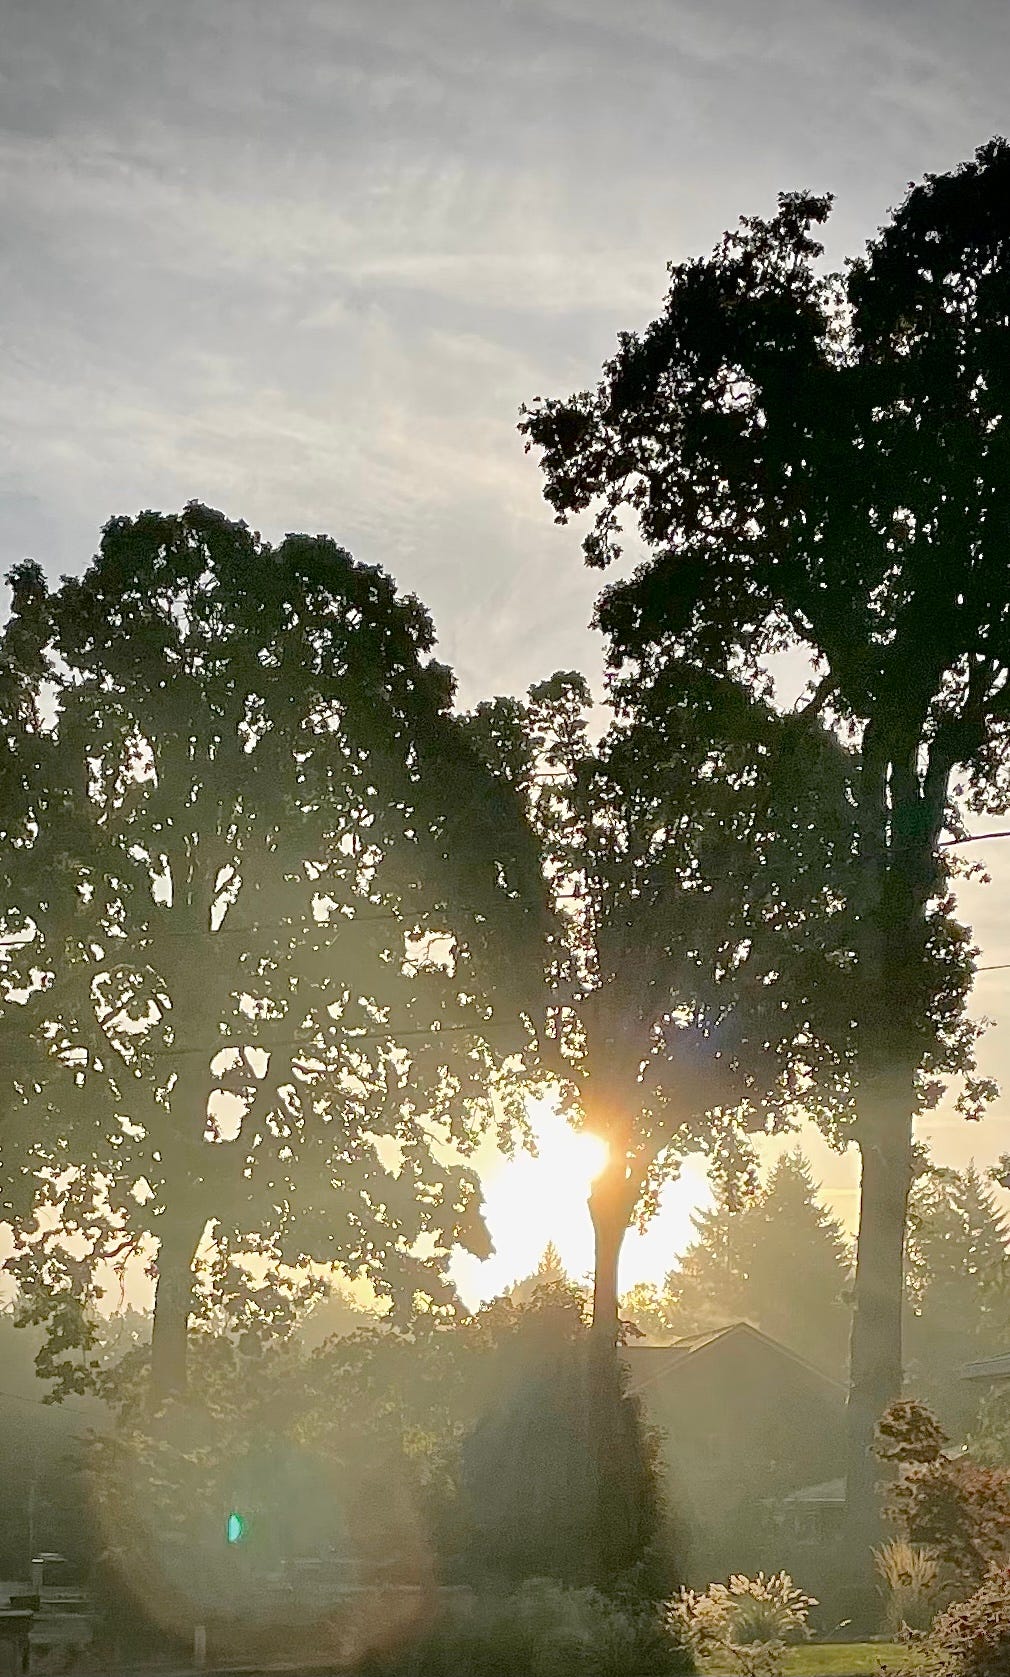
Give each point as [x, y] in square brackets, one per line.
[697, 894]
[958, 1287]
[266, 919]
[778, 1260]
[817, 463]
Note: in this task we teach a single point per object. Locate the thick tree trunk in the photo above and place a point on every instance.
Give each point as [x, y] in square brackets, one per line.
[610, 1207]
[875, 1357]
[173, 1300]
[609, 1211]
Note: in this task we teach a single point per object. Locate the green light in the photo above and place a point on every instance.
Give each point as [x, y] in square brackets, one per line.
[236, 1528]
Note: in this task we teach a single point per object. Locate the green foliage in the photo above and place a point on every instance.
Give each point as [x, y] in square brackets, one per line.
[972, 1638]
[957, 1287]
[988, 1440]
[782, 440]
[815, 464]
[695, 875]
[550, 1273]
[541, 1630]
[540, 1501]
[955, 1507]
[744, 1624]
[457, 1450]
[644, 1313]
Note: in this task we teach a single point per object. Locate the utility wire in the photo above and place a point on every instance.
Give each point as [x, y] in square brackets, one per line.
[351, 1035]
[16, 1397]
[973, 838]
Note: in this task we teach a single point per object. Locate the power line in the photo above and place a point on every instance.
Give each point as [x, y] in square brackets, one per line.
[350, 1037]
[973, 838]
[44, 1403]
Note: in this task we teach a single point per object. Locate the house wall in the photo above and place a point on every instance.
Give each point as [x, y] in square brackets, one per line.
[742, 1425]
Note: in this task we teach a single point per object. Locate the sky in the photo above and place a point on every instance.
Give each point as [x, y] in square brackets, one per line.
[304, 259]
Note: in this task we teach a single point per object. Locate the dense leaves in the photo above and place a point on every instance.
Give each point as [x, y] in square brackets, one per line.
[816, 463]
[699, 857]
[269, 927]
[972, 1638]
[955, 1507]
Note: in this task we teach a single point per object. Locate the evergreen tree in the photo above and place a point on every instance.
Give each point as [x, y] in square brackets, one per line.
[957, 1287]
[550, 1272]
[779, 1261]
[539, 1502]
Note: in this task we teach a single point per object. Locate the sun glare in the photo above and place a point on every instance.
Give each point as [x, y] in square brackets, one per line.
[532, 1199]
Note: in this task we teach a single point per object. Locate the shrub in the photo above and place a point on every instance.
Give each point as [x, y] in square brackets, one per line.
[541, 1629]
[745, 1623]
[560, 1473]
[972, 1638]
[956, 1508]
[910, 1578]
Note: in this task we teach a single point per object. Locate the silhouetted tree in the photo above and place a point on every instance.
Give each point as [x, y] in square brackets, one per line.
[818, 463]
[550, 1272]
[697, 857]
[530, 1475]
[266, 922]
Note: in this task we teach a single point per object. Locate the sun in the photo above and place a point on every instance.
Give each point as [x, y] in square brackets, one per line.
[532, 1199]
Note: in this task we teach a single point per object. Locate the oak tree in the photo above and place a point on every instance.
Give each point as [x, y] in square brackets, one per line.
[267, 921]
[816, 463]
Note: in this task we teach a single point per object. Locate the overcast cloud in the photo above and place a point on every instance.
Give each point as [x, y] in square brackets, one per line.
[303, 259]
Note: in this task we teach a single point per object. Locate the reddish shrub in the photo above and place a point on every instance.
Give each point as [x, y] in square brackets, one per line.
[954, 1507]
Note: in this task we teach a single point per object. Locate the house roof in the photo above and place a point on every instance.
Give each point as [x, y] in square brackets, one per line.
[992, 1368]
[649, 1363]
[832, 1492]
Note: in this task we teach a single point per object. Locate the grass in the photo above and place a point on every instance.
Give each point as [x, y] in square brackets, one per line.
[850, 1659]
[847, 1659]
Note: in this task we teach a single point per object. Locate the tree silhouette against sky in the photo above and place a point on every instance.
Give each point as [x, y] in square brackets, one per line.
[818, 463]
[266, 919]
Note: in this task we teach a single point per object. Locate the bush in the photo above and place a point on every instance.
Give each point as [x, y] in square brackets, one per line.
[910, 1579]
[745, 1623]
[541, 1629]
[956, 1508]
[972, 1638]
[560, 1474]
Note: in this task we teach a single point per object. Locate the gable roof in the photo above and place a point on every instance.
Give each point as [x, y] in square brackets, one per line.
[993, 1368]
[649, 1363]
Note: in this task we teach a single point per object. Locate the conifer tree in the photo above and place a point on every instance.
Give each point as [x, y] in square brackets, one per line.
[779, 1261]
[957, 1287]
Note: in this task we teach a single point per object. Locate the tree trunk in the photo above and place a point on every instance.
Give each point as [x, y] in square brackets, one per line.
[609, 1211]
[173, 1299]
[875, 1357]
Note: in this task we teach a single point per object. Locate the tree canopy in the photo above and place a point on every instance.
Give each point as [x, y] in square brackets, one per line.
[816, 462]
[699, 855]
[269, 926]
